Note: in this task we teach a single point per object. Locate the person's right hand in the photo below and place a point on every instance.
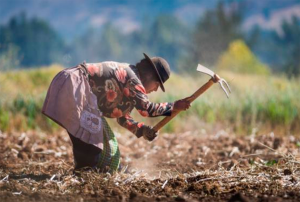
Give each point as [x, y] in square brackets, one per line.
[182, 104]
[149, 133]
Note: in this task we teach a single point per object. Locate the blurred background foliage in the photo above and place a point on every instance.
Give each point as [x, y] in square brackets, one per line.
[239, 58]
[32, 42]
[261, 66]
[260, 102]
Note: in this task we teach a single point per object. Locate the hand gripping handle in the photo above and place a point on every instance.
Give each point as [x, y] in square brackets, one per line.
[201, 90]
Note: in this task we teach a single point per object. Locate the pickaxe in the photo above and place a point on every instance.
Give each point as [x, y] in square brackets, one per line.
[214, 79]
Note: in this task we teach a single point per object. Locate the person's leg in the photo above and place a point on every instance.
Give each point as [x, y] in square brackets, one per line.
[111, 154]
[85, 155]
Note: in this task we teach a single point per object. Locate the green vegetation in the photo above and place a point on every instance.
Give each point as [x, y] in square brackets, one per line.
[240, 59]
[212, 35]
[22, 96]
[257, 102]
[32, 42]
[260, 102]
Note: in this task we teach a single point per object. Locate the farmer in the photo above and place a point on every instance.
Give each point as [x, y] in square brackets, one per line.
[80, 97]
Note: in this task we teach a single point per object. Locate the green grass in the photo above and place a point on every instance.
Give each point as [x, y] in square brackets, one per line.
[267, 103]
[22, 96]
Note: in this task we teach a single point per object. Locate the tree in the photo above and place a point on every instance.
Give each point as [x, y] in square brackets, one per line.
[213, 33]
[111, 42]
[166, 37]
[280, 50]
[37, 42]
[239, 58]
[95, 46]
[290, 43]
[9, 59]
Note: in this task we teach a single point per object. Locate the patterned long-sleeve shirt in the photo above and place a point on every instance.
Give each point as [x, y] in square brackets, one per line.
[119, 90]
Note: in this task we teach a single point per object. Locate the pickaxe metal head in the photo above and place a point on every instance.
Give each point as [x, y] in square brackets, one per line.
[216, 78]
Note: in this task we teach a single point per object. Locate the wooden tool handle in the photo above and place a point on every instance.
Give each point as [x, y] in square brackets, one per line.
[201, 90]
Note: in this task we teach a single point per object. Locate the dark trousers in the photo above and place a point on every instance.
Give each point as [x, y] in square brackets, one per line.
[85, 155]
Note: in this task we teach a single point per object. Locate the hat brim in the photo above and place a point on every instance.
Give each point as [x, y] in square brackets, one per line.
[161, 84]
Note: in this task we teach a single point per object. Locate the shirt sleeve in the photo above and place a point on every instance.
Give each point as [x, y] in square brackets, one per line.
[143, 104]
[131, 125]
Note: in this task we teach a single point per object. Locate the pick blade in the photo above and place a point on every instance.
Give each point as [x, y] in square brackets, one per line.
[205, 70]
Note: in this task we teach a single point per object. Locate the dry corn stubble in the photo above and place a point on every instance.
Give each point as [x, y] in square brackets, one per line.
[175, 167]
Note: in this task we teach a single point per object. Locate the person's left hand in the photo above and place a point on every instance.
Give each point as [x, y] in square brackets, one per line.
[149, 133]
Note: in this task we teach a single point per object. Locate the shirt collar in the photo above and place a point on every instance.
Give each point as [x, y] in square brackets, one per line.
[135, 70]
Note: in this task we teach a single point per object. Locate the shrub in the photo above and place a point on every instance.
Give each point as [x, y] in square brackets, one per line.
[239, 58]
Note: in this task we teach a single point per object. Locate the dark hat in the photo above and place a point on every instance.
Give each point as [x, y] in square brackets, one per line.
[161, 67]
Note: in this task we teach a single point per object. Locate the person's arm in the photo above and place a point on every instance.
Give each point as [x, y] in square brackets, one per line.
[150, 109]
[137, 128]
[130, 124]
[144, 106]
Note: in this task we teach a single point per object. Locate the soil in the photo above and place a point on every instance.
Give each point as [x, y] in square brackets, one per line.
[192, 166]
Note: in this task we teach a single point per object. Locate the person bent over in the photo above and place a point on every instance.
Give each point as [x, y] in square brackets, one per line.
[80, 97]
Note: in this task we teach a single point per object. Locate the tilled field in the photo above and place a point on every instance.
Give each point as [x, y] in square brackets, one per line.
[193, 166]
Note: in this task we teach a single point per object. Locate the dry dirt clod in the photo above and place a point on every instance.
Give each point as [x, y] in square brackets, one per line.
[287, 172]
[238, 197]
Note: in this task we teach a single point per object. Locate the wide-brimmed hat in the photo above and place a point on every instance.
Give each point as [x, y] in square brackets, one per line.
[161, 67]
